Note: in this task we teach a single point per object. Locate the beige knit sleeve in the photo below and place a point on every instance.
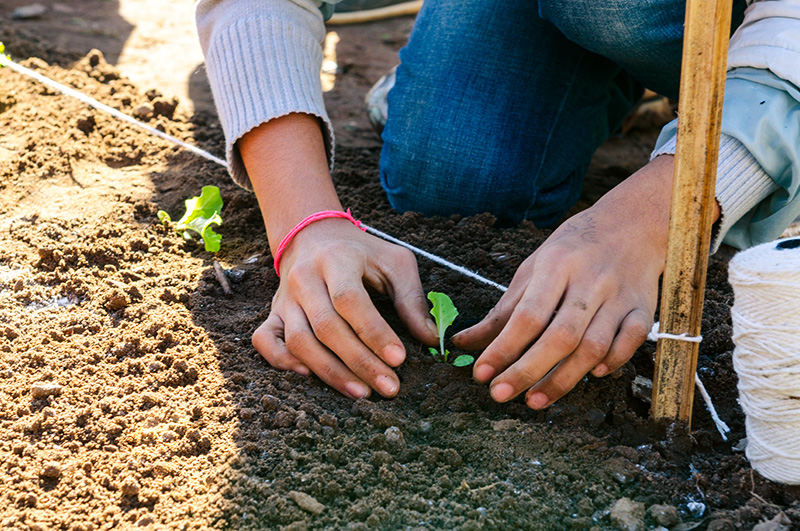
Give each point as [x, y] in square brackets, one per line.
[263, 59]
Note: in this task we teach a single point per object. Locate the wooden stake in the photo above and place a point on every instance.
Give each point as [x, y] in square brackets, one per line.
[705, 52]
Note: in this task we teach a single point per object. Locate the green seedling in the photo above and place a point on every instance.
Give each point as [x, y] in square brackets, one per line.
[444, 313]
[201, 213]
[3, 49]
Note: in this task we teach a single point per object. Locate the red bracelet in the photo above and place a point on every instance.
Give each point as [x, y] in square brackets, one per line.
[306, 222]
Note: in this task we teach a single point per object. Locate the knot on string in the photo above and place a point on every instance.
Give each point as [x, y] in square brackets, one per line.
[655, 335]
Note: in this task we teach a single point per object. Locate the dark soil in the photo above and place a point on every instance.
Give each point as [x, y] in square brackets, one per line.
[130, 394]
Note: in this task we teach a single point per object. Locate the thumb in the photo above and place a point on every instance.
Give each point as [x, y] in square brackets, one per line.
[409, 300]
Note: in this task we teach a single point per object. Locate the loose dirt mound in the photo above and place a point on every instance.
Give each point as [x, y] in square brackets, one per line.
[130, 394]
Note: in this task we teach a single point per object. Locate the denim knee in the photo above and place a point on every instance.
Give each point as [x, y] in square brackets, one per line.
[438, 182]
[645, 37]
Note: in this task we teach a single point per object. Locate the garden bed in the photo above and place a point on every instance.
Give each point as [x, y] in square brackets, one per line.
[130, 393]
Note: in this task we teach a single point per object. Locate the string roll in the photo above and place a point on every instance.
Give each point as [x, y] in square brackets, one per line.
[766, 357]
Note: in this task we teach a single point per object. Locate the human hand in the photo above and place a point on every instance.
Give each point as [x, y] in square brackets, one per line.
[584, 301]
[322, 319]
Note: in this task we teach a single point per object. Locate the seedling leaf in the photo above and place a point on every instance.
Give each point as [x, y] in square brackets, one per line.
[3, 49]
[463, 360]
[201, 213]
[444, 313]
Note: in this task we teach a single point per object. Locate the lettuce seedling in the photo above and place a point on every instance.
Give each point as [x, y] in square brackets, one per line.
[201, 213]
[444, 313]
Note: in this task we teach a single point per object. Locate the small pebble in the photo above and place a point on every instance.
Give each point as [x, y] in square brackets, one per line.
[43, 390]
[144, 521]
[696, 508]
[144, 111]
[506, 425]
[28, 12]
[394, 436]
[306, 502]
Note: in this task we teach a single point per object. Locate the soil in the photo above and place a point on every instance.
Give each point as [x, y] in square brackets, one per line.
[130, 395]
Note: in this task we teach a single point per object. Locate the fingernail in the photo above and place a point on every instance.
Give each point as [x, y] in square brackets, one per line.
[356, 390]
[394, 355]
[502, 392]
[537, 400]
[386, 386]
[600, 370]
[432, 327]
[484, 372]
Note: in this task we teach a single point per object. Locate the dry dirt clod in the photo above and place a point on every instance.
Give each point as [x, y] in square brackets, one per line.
[779, 523]
[51, 470]
[130, 487]
[43, 390]
[664, 515]
[306, 502]
[628, 515]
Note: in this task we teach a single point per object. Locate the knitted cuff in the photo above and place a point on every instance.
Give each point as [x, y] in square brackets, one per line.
[741, 183]
[261, 67]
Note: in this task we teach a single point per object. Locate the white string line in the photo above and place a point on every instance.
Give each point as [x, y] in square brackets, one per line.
[463, 270]
[4, 61]
[721, 426]
[205, 154]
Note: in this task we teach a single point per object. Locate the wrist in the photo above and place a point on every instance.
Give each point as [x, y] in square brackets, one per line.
[317, 218]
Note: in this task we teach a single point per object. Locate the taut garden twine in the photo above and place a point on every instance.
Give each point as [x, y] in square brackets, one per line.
[766, 332]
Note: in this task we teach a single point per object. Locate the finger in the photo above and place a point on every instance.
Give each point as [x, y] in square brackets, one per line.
[593, 348]
[559, 340]
[268, 341]
[302, 343]
[530, 317]
[333, 331]
[404, 286]
[352, 302]
[632, 333]
[480, 335]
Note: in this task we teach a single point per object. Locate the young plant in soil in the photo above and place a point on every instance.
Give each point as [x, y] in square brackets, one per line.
[201, 213]
[444, 313]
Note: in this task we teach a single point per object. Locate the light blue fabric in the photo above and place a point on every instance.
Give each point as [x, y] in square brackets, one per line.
[762, 112]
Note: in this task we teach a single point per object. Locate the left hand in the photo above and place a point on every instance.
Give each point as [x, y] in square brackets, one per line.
[584, 301]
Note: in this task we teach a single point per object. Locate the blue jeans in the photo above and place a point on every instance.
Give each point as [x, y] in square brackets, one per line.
[499, 105]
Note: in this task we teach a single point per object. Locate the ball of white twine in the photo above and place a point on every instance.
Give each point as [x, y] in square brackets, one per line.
[766, 332]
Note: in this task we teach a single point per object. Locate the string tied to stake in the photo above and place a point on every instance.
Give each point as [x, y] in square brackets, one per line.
[655, 335]
[720, 424]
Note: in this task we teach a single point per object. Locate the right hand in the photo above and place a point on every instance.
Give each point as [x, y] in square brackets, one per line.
[322, 319]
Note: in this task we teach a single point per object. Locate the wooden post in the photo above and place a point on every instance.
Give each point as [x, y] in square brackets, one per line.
[705, 52]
